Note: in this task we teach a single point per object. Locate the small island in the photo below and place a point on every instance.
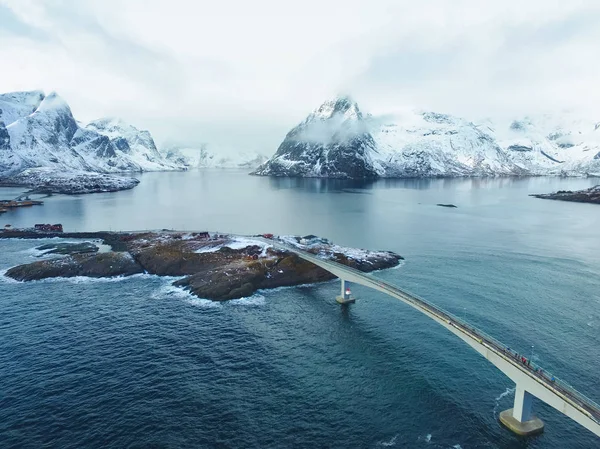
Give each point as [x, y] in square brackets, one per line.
[591, 195]
[211, 266]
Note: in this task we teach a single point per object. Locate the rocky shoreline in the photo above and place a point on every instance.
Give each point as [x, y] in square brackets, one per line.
[218, 268]
[45, 180]
[591, 195]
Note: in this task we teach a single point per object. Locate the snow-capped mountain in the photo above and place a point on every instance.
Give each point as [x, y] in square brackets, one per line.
[203, 157]
[336, 140]
[40, 131]
[137, 145]
[562, 144]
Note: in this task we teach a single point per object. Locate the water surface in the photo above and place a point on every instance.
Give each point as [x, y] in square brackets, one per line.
[138, 363]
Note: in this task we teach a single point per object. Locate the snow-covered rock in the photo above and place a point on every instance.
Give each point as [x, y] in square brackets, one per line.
[137, 145]
[205, 157]
[336, 140]
[40, 131]
[556, 144]
[45, 179]
[333, 141]
[16, 105]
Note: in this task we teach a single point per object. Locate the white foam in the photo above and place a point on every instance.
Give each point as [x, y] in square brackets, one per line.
[5, 279]
[203, 303]
[169, 291]
[502, 395]
[506, 393]
[400, 265]
[103, 280]
[428, 438]
[389, 443]
[254, 301]
[93, 280]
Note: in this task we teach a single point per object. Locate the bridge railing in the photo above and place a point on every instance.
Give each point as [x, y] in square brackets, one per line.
[536, 369]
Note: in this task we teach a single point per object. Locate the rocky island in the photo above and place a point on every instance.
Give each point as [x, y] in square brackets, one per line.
[216, 267]
[591, 195]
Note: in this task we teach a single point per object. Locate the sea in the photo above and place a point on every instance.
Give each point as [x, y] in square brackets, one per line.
[137, 363]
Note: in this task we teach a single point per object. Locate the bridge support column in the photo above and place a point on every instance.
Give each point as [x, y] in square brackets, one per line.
[345, 296]
[520, 419]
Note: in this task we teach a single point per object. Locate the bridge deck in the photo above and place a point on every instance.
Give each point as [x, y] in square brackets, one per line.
[533, 371]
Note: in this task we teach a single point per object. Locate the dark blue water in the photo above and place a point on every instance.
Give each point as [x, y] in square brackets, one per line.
[137, 363]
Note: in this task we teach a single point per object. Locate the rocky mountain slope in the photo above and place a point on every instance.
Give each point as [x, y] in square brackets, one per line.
[40, 132]
[337, 140]
[334, 141]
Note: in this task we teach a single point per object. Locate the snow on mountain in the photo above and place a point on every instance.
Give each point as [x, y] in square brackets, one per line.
[137, 145]
[45, 179]
[429, 144]
[40, 131]
[16, 105]
[204, 157]
[558, 144]
[336, 140]
[333, 141]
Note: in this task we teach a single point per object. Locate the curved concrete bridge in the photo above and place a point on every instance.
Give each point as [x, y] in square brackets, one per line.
[530, 379]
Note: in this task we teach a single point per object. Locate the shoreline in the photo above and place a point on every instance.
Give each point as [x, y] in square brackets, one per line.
[213, 266]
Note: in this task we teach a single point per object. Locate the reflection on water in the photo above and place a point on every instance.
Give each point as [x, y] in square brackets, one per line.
[347, 210]
[319, 185]
[326, 185]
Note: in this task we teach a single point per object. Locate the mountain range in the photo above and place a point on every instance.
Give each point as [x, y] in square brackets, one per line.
[43, 146]
[338, 140]
[203, 156]
[41, 140]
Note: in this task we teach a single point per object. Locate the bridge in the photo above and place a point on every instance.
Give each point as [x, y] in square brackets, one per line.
[531, 380]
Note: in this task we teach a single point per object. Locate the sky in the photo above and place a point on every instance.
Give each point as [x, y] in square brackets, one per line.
[239, 74]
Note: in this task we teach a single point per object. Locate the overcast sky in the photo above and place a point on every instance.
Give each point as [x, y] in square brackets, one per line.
[241, 73]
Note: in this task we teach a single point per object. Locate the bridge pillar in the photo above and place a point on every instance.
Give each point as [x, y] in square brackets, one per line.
[345, 296]
[520, 419]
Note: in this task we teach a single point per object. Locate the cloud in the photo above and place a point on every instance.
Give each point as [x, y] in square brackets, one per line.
[241, 74]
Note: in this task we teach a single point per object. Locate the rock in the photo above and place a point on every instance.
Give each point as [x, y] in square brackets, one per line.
[68, 248]
[221, 269]
[243, 280]
[446, 205]
[47, 180]
[591, 195]
[333, 142]
[4, 138]
[90, 265]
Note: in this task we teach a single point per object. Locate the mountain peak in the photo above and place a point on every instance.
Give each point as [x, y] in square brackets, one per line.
[32, 97]
[53, 101]
[110, 123]
[16, 105]
[342, 105]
